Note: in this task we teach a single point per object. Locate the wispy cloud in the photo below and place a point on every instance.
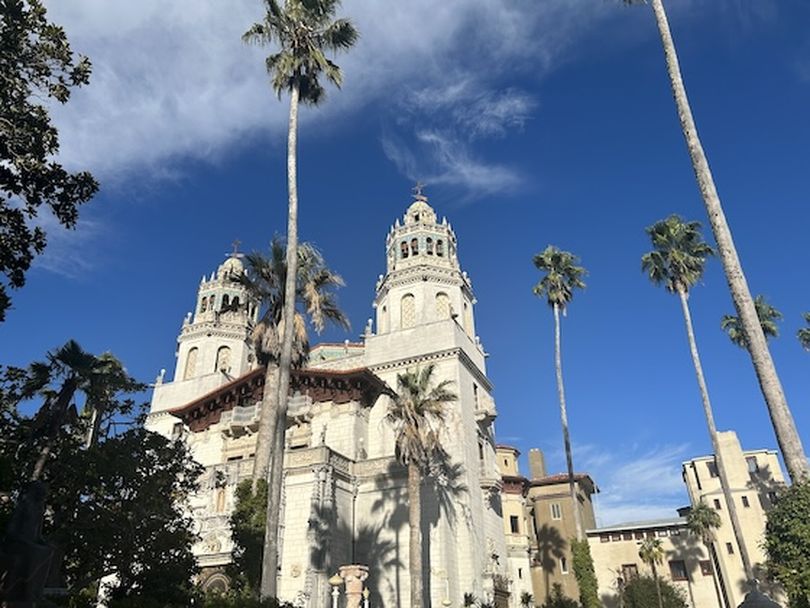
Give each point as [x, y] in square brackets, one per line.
[65, 253]
[635, 482]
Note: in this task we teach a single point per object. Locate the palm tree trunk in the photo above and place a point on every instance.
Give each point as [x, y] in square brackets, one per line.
[267, 425]
[270, 560]
[718, 456]
[788, 438]
[657, 586]
[721, 603]
[569, 459]
[415, 525]
[44, 454]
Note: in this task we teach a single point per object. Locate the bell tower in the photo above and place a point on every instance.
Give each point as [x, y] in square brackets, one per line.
[214, 338]
[424, 282]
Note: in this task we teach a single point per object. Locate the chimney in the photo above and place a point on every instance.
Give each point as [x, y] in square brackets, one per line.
[537, 463]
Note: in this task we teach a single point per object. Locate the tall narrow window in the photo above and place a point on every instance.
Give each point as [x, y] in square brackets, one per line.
[712, 468]
[235, 303]
[563, 565]
[442, 306]
[751, 461]
[403, 249]
[204, 305]
[717, 504]
[440, 248]
[191, 364]
[556, 511]
[220, 500]
[223, 359]
[408, 310]
[475, 395]
[514, 525]
[225, 301]
[429, 246]
[745, 502]
[414, 246]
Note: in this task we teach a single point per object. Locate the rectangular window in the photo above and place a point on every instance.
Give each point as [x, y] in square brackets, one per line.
[629, 571]
[677, 570]
[627, 536]
[751, 461]
[717, 504]
[605, 538]
[772, 497]
[674, 532]
[639, 535]
[745, 502]
[706, 567]
[662, 533]
[556, 511]
[730, 548]
[616, 537]
[513, 524]
[520, 573]
[563, 565]
[712, 469]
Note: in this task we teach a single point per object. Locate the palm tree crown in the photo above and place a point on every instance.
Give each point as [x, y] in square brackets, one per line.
[562, 276]
[651, 551]
[804, 333]
[702, 521]
[416, 414]
[767, 314]
[303, 29]
[315, 295]
[679, 254]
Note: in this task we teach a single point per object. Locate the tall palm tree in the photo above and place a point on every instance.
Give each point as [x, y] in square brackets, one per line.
[804, 333]
[702, 521]
[303, 30]
[651, 552]
[75, 371]
[781, 417]
[767, 315]
[562, 277]
[677, 262]
[266, 280]
[417, 414]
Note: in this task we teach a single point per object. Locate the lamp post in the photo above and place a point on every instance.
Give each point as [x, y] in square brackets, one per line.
[336, 582]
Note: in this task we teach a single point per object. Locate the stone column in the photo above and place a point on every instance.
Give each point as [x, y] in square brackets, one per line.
[353, 577]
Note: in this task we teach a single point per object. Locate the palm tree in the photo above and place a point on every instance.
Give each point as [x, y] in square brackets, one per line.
[677, 262]
[562, 277]
[702, 521]
[417, 414]
[526, 599]
[304, 31]
[804, 333]
[651, 552]
[99, 378]
[781, 417]
[767, 315]
[266, 280]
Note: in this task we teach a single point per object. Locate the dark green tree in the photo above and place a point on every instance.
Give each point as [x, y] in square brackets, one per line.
[643, 592]
[36, 65]
[558, 600]
[804, 333]
[768, 317]
[585, 574]
[787, 543]
[247, 530]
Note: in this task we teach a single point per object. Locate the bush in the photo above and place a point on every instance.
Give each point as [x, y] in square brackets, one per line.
[787, 543]
[558, 600]
[585, 575]
[639, 592]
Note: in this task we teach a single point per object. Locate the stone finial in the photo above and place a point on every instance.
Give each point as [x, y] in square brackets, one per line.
[160, 376]
[353, 577]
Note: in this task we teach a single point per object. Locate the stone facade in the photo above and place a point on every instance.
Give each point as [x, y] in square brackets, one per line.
[345, 497]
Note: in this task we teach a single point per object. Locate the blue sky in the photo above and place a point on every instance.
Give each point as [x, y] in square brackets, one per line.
[531, 122]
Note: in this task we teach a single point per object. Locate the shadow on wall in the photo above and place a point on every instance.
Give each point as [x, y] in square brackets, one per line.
[441, 489]
[550, 548]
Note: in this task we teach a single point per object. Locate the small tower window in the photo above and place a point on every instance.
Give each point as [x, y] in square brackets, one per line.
[408, 311]
[191, 363]
[414, 246]
[204, 305]
[223, 359]
[440, 248]
[225, 301]
[429, 246]
[235, 303]
[403, 248]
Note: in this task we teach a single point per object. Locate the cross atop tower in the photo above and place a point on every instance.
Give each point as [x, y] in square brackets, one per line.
[417, 191]
[235, 245]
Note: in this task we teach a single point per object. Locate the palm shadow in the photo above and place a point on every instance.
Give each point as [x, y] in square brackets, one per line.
[550, 548]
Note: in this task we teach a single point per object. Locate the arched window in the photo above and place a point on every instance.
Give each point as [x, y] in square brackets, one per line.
[223, 359]
[204, 305]
[414, 246]
[403, 248]
[225, 301]
[408, 311]
[429, 246]
[235, 303]
[442, 306]
[440, 248]
[211, 302]
[191, 363]
[220, 500]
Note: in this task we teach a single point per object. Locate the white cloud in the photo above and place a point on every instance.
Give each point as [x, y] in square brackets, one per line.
[173, 80]
[635, 484]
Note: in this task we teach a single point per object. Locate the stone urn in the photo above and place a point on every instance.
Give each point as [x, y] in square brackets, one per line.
[353, 577]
